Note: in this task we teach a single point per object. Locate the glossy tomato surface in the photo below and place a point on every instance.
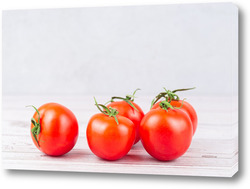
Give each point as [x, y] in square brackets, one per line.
[166, 135]
[188, 108]
[59, 129]
[109, 140]
[129, 112]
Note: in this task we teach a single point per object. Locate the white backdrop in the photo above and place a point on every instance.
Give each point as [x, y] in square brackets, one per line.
[111, 50]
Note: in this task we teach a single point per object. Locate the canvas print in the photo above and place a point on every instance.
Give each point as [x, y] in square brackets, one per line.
[128, 89]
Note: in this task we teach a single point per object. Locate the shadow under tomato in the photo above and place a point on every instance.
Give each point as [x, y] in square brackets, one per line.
[76, 154]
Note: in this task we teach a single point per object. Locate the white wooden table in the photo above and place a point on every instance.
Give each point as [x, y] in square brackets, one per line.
[213, 152]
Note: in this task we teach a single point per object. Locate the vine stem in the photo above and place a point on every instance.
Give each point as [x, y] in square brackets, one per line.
[111, 112]
[166, 105]
[127, 99]
[177, 90]
[37, 126]
[169, 96]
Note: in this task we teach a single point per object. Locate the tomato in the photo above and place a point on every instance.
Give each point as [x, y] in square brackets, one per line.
[166, 134]
[109, 140]
[110, 136]
[186, 107]
[126, 110]
[54, 129]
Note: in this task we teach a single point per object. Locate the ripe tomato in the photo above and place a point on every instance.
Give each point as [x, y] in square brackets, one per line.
[166, 135]
[54, 129]
[186, 107]
[126, 110]
[109, 140]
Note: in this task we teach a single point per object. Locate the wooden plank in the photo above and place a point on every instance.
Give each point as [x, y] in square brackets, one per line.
[82, 159]
[144, 169]
[203, 131]
[213, 152]
[142, 164]
[198, 148]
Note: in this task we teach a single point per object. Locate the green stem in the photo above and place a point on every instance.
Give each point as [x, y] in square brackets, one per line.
[166, 105]
[177, 90]
[111, 112]
[168, 95]
[132, 97]
[181, 104]
[127, 99]
[37, 126]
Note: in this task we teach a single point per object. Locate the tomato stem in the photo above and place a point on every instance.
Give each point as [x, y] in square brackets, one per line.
[37, 126]
[111, 112]
[176, 90]
[165, 105]
[127, 99]
[132, 97]
[168, 95]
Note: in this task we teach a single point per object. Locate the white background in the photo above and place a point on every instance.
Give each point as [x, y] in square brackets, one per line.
[35, 179]
[110, 50]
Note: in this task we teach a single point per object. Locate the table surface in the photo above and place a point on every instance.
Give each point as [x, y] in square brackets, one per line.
[213, 151]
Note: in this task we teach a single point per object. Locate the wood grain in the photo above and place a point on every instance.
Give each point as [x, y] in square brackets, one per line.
[213, 152]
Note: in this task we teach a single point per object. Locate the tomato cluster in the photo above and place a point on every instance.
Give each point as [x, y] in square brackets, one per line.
[111, 135]
[165, 132]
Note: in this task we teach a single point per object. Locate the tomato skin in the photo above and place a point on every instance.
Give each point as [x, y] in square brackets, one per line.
[59, 129]
[108, 140]
[166, 135]
[129, 112]
[188, 108]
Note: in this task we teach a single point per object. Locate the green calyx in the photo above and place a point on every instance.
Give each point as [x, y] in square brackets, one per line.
[127, 99]
[169, 96]
[111, 112]
[37, 126]
[166, 105]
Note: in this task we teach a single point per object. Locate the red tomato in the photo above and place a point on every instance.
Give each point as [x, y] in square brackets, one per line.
[188, 108]
[129, 112]
[166, 135]
[58, 129]
[109, 140]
